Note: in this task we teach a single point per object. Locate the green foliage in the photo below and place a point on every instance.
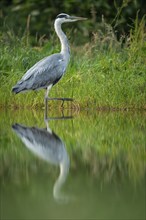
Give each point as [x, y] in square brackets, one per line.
[14, 14]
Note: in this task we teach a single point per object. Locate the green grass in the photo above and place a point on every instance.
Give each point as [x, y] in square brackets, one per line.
[103, 73]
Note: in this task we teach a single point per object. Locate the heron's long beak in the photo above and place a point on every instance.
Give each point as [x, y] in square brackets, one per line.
[74, 18]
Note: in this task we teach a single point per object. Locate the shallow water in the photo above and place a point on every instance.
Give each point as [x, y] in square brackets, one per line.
[88, 166]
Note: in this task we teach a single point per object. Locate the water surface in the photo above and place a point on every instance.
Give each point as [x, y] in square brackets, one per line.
[88, 166]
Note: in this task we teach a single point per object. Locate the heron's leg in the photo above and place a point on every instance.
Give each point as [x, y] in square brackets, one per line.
[47, 126]
[46, 105]
[46, 101]
[62, 105]
[46, 109]
[47, 91]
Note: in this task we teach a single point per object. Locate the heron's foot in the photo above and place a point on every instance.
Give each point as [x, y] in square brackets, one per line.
[66, 99]
[59, 99]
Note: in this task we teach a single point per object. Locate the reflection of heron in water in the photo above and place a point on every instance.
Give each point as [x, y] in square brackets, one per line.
[48, 146]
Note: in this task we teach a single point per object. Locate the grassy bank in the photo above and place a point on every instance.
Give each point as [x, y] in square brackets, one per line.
[103, 73]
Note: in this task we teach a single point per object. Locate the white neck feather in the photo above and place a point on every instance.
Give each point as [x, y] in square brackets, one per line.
[63, 39]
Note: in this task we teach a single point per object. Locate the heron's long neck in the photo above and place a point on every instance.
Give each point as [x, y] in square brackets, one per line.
[64, 169]
[63, 39]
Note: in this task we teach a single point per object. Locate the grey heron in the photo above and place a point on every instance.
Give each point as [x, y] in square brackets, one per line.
[49, 147]
[48, 71]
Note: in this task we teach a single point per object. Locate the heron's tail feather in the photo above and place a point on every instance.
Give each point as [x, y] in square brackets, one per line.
[15, 90]
[19, 128]
[19, 87]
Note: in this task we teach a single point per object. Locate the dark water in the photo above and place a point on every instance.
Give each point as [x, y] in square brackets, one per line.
[91, 166]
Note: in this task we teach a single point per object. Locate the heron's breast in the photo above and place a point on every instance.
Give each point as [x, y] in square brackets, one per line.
[63, 64]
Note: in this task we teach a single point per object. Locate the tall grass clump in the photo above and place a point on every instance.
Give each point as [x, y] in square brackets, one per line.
[114, 75]
[105, 72]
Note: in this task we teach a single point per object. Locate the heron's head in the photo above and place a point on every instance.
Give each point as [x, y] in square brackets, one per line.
[64, 18]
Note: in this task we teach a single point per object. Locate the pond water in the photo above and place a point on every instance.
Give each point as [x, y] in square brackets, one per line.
[87, 165]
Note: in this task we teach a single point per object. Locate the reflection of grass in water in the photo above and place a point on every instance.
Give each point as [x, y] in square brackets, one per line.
[109, 145]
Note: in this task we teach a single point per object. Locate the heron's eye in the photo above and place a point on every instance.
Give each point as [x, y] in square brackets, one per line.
[62, 16]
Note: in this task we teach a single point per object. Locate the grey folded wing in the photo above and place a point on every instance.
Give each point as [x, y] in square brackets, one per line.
[44, 73]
